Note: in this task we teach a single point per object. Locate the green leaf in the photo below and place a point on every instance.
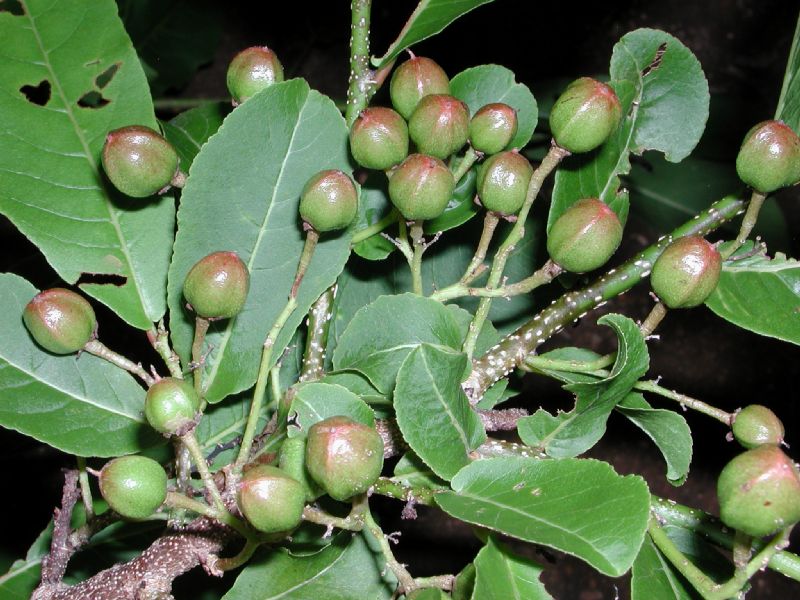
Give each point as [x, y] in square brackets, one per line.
[358, 384]
[191, 129]
[488, 336]
[346, 569]
[654, 577]
[485, 84]
[581, 507]
[173, 37]
[664, 97]
[788, 109]
[381, 335]
[502, 575]
[429, 18]
[570, 434]
[314, 402]
[279, 138]
[495, 395]
[760, 294]
[464, 583]
[81, 405]
[433, 412]
[51, 184]
[667, 429]
[411, 471]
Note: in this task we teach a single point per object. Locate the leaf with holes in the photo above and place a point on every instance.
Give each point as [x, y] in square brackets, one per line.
[84, 405]
[664, 97]
[502, 575]
[314, 402]
[51, 185]
[250, 206]
[190, 130]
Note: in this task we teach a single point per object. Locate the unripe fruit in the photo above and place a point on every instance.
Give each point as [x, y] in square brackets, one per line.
[756, 425]
[503, 182]
[171, 405]
[769, 158]
[415, 79]
[60, 320]
[329, 201]
[439, 125]
[139, 161]
[492, 128]
[252, 70]
[759, 492]
[421, 187]
[585, 236]
[686, 272]
[379, 138]
[133, 486]
[292, 460]
[270, 500]
[585, 115]
[343, 456]
[217, 285]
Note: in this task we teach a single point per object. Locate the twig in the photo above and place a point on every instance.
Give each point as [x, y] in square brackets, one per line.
[99, 349]
[54, 565]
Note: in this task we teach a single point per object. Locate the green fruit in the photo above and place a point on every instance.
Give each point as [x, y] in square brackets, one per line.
[292, 460]
[585, 236]
[415, 79]
[759, 492]
[270, 500]
[756, 425]
[686, 272]
[216, 286]
[329, 201]
[439, 126]
[133, 486]
[492, 128]
[379, 138]
[139, 161]
[769, 158]
[171, 406]
[503, 182]
[585, 115]
[421, 187]
[343, 456]
[60, 321]
[252, 70]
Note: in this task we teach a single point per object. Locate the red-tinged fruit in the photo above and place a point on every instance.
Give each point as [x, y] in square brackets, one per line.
[139, 161]
[756, 425]
[415, 79]
[252, 70]
[292, 460]
[270, 499]
[60, 320]
[133, 486]
[216, 286]
[171, 405]
[439, 126]
[492, 128]
[379, 138]
[421, 187]
[585, 115]
[343, 456]
[769, 158]
[759, 492]
[686, 272]
[503, 182]
[329, 201]
[585, 236]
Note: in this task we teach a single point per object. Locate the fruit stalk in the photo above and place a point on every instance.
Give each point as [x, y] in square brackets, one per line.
[159, 339]
[99, 349]
[542, 276]
[748, 222]
[200, 330]
[490, 221]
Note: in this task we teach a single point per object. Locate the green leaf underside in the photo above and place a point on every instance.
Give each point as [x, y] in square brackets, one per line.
[429, 18]
[581, 507]
[315, 402]
[433, 412]
[572, 433]
[383, 333]
[665, 110]
[348, 568]
[760, 294]
[81, 405]
[502, 575]
[51, 184]
[242, 195]
[190, 130]
[789, 103]
[479, 86]
[654, 577]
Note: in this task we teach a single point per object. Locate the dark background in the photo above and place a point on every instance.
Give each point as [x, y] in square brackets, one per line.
[742, 45]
